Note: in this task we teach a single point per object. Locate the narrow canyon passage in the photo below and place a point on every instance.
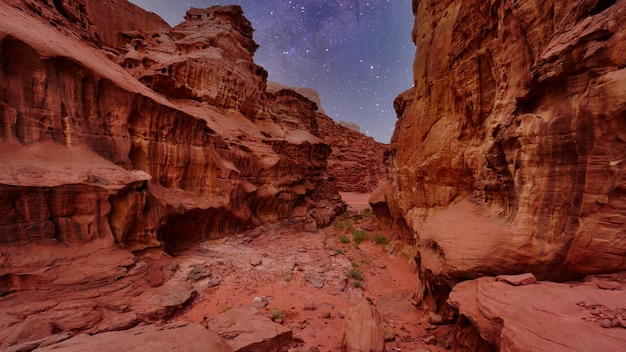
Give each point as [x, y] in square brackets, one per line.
[311, 280]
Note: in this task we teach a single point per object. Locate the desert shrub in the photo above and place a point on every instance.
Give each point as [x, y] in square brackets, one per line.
[380, 239]
[355, 274]
[359, 236]
[344, 239]
[358, 284]
[276, 314]
[366, 213]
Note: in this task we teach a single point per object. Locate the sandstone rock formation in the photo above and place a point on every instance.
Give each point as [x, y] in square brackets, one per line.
[357, 160]
[192, 338]
[116, 138]
[361, 330]
[546, 316]
[508, 154]
[211, 160]
[246, 330]
[356, 163]
[517, 111]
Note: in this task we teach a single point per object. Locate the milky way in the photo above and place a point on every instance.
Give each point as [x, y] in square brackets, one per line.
[356, 53]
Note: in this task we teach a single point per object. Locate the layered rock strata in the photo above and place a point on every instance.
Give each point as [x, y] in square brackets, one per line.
[117, 139]
[356, 163]
[357, 160]
[508, 154]
[219, 155]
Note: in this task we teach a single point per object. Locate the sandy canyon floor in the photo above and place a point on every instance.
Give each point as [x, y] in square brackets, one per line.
[307, 281]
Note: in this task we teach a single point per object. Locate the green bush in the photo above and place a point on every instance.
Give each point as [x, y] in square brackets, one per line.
[366, 213]
[359, 236]
[380, 239]
[344, 239]
[358, 284]
[355, 274]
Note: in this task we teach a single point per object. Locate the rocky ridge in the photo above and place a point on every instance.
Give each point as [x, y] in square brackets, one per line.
[508, 153]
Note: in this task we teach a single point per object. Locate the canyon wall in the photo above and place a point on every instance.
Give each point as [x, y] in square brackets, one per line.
[509, 152]
[356, 163]
[148, 136]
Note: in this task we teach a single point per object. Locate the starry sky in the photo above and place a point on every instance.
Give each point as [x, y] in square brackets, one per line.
[357, 54]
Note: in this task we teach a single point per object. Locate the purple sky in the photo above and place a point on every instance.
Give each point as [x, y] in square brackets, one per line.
[357, 54]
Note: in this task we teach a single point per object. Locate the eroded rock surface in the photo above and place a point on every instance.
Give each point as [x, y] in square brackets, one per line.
[357, 160]
[508, 158]
[246, 330]
[115, 138]
[546, 316]
[362, 331]
[175, 337]
[356, 163]
[220, 155]
[508, 155]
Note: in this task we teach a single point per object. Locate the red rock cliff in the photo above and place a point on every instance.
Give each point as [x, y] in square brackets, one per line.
[508, 155]
[180, 142]
[356, 163]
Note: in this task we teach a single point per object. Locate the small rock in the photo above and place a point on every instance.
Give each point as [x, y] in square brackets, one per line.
[260, 302]
[518, 280]
[214, 282]
[435, 319]
[606, 323]
[310, 306]
[390, 336]
[198, 272]
[315, 280]
[255, 262]
[324, 314]
[615, 323]
[609, 285]
[407, 338]
[430, 340]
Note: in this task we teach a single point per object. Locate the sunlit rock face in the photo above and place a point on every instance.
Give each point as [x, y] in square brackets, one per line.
[148, 135]
[508, 154]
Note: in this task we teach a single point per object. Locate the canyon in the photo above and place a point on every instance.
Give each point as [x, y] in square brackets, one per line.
[157, 192]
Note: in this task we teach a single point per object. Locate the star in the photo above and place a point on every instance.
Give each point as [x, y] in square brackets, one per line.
[357, 54]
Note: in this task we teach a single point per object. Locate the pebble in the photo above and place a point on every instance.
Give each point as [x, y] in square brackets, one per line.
[325, 314]
[214, 282]
[606, 323]
[430, 340]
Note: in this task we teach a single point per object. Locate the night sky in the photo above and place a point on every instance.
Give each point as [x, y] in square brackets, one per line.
[357, 54]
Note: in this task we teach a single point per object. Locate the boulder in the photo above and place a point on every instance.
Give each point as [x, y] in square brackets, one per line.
[517, 280]
[362, 331]
[174, 337]
[246, 330]
[545, 316]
